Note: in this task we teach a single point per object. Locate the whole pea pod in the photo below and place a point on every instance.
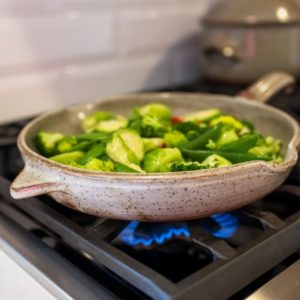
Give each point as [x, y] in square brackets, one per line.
[93, 136]
[95, 151]
[202, 140]
[243, 144]
[234, 157]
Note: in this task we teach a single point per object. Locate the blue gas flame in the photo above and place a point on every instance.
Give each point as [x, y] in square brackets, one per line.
[162, 232]
[228, 225]
[166, 232]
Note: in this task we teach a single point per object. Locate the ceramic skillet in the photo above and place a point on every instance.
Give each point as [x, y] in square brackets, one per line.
[161, 196]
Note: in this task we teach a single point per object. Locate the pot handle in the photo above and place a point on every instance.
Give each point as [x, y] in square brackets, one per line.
[268, 86]
[31, 182]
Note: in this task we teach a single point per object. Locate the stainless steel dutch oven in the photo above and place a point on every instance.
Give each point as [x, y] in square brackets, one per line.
[244, 39]
[161, 196]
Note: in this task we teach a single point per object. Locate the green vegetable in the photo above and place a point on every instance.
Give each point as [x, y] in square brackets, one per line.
[151, 120]
[95, 164]
[100, 165]
[104, 122]
[226, 137]
[228, 120]
[112, 125]
[157, 110]
[215, 161]
[202, 115]
[127, 148]
[243, 144]
[95, 151]
[68, 158]
[187, 166]
[46, 142]
[175, 138]
[152, 126]
[186, 127]
[66, 144]
[93, 136]
[90, 122]
[268, 147]
[234, 157]
[160, 160]
[152, 143]
[125, 169]
[203, 139]
[247, 124]
[82, 146]
[154, 140]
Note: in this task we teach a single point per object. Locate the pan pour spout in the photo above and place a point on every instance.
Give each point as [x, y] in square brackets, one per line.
[31, 182]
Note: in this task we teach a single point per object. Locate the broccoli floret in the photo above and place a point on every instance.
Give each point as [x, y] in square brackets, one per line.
[161, 159]
[151, 120]
[187, 166]
[95, 164]
[68, 158]
[269, 147]
[157, 110]
[215, 161]
[46, 142]
[100, 165]
[91, 121]
[175, 138]
[154, 127]
[67, 144]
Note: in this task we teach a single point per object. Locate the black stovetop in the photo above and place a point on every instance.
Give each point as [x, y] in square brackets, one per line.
[225, 256]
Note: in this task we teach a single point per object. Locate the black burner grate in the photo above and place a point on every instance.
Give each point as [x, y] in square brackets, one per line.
[228, 265]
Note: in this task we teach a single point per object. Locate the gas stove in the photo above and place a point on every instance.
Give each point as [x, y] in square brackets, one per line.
[225, 256]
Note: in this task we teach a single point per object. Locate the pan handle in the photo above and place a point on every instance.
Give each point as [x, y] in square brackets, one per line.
[31, 182]
[268, 86]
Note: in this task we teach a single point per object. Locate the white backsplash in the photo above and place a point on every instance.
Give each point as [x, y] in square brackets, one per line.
[59, 52]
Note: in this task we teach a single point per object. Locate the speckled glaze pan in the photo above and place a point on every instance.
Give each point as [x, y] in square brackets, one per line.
[160, 196]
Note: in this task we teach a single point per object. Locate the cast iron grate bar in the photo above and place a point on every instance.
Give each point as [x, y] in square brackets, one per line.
[105, 229]
[216, 248]
[222, 282]
[267, 219]
[271, 250]
[290, 188]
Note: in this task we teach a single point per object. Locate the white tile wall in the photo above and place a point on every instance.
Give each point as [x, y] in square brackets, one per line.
[37, 41]
[65, 51]
[143, 31]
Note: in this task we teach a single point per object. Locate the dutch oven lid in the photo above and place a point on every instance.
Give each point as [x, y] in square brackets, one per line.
[253, 12]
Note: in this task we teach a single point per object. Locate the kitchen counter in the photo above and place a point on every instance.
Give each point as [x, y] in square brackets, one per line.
[19, 279]
[284, 286]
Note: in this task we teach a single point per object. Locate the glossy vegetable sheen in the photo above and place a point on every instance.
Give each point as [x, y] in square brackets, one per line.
[154, 140]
